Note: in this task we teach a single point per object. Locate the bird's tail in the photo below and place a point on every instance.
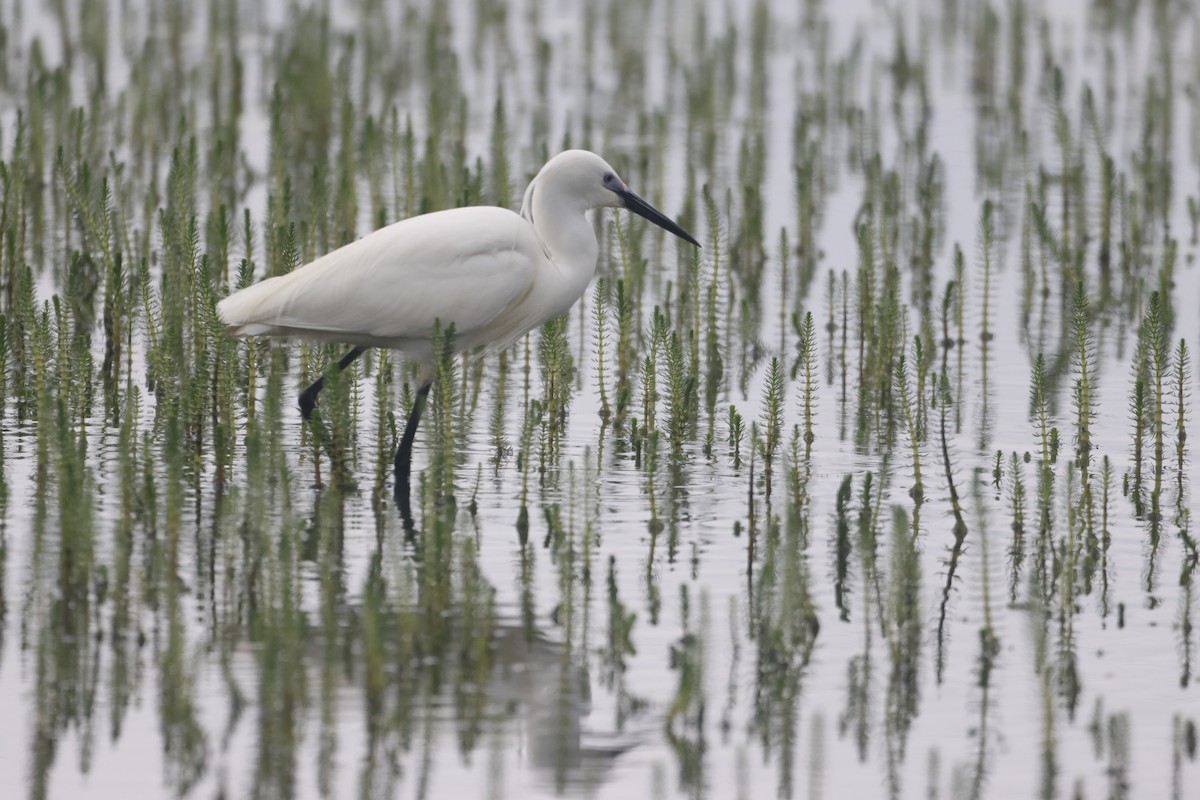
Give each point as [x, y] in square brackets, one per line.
[241, 311]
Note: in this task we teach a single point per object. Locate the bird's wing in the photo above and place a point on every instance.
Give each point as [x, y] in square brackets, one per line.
[464, 266]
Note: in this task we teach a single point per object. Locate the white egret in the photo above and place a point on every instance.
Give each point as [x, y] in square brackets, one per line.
[492, 274]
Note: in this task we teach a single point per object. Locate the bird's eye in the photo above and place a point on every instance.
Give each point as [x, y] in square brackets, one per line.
[608, 178]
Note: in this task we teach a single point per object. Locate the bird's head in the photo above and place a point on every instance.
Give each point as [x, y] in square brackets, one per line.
[585, 176]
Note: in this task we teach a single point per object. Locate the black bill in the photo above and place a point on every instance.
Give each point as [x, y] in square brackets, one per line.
[643, 209]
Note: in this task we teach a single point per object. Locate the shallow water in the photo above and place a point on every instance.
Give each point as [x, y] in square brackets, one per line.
[688, 629]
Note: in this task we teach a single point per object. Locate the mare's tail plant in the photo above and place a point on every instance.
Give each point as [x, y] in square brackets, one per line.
[805, 367]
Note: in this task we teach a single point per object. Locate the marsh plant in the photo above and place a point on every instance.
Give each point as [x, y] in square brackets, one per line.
[803, 510]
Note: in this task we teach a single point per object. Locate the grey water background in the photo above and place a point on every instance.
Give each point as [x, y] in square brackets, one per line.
[691, 706]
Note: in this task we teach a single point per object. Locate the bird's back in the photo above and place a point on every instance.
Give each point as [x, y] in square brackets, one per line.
[465, 267]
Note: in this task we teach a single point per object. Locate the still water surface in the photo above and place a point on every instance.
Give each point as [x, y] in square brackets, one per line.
[686, 630]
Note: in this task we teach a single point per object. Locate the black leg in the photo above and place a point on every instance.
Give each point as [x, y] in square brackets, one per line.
[308, 398]
[403, 463]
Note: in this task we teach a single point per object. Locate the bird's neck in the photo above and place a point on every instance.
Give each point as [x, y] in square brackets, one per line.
[563, 228]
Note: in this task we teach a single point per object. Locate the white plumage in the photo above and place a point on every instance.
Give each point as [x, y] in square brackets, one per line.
[473, 267]
[490, 273]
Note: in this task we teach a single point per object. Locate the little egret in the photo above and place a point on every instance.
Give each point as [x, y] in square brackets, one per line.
[492, 274]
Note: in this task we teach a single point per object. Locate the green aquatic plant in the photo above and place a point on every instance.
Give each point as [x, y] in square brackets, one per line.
[683, 720]
[842, 546]
[1040, 406]
[737, 434]
[1106, 483]
[868, 543]
[648, 437]
[772, 422]
[1067, 552]
[1153, 348]
[556, 366]
[1083, 358]
[799, 501]
[600, 338]
[805, 367]
[843, 395]
[929, 230]
[387, 433]
[1016, 499]
[714, 365]
[1139, 415]
[332, 430]
[1107, 212]
[679, 395]
[989, 641]
[1047, 436]
[626, 353]
[892, 345]
[987, 235]
[865, 307]
[1193, 208]
[831, 325]
[785, 300]
[500, 179]
[1182, 375]
[960, 526]
[956, 299]
[923, 358]
[907, 405]
[444, 422]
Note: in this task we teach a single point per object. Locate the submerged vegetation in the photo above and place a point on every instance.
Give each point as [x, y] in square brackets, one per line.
[889, 485]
